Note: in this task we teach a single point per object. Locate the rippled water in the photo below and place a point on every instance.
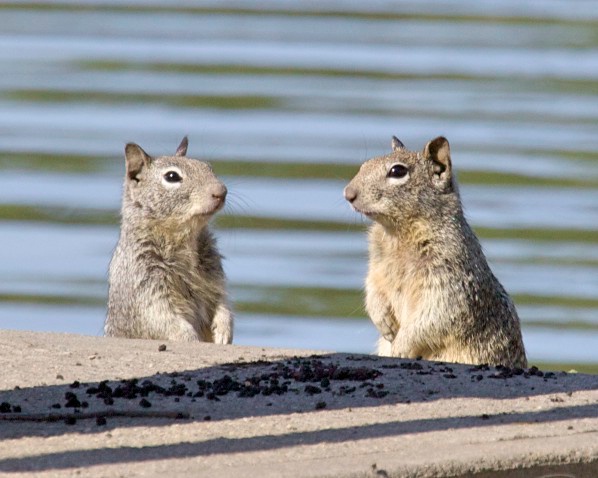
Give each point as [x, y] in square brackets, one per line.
[286, 99]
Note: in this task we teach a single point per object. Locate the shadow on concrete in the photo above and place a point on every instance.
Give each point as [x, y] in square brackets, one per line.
[230, 391]
[106, 456]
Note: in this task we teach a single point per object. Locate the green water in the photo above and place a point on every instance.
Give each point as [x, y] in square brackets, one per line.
[286, 102]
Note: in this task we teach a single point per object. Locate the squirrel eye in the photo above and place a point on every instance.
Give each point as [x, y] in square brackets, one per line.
[397, 171]
[172, 177]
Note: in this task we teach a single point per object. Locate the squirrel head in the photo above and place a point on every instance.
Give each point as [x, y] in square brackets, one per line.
[170, 188]
[405, 185]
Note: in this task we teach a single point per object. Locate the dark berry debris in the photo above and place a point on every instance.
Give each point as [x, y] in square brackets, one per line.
[376, 393]
[161, 348]
[70, 420]
[480, 368]
[101, 421]
[315, 376]
[72, 401]
[5, 407]
[344, 390]
[16, 409]
[485, 416]
[411, 366]
[312, 390]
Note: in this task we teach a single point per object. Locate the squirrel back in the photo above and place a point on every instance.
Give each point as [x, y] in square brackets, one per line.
[429, 288]
[166, 279]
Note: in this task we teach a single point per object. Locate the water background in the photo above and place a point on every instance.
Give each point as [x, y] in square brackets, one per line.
[287, 99]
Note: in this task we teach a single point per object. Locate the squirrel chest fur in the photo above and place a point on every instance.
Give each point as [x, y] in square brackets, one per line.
[429, 289]
[166, 279]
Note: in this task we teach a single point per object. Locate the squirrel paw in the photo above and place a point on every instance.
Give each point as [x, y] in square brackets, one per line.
[222, 325]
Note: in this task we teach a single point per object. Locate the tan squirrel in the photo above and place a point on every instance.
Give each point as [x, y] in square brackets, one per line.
[429, 289]
[166, 279]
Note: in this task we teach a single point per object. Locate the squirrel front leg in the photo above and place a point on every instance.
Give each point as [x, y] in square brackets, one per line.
[162, 320]
[222, 324]
[380, 311]
[403, 345]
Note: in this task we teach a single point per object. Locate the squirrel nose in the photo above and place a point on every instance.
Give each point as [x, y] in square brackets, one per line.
[219, 192]
[350, 194]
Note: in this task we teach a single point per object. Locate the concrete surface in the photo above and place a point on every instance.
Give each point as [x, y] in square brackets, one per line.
[337, 415]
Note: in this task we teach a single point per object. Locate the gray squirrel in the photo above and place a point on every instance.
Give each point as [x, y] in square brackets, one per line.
[429, 289]
[166, 279]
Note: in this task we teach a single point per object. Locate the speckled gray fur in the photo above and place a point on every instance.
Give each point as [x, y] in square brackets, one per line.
[166, 279]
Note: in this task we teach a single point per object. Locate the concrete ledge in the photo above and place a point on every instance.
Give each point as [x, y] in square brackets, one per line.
[207, 410]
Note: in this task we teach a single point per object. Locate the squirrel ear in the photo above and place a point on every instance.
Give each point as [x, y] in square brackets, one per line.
[439, 153]
[397, 144]
[136, 159]
[182, 149]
